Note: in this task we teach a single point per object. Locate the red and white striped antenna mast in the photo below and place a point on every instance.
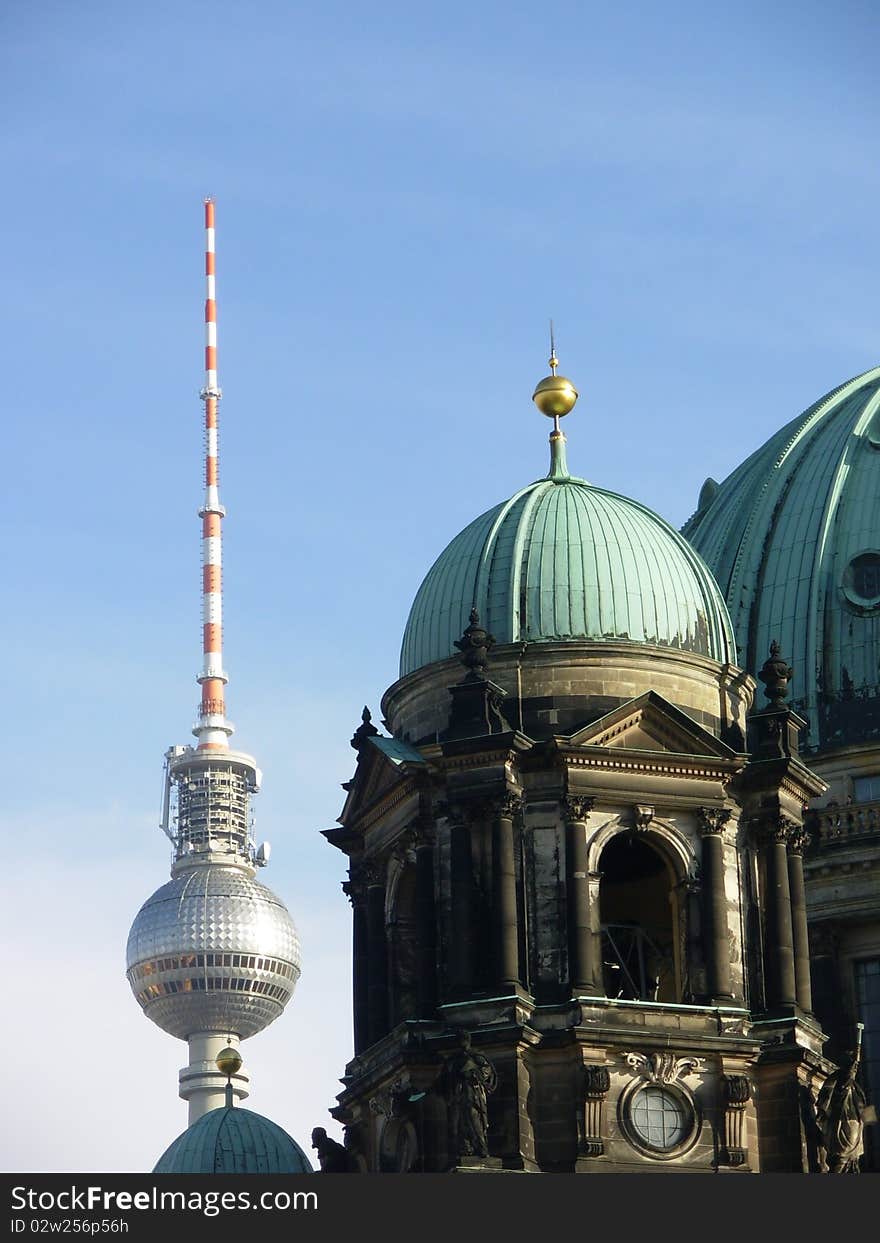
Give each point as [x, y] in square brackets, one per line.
[212, 728]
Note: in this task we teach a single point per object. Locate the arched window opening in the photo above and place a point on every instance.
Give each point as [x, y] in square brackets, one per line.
[640, 922]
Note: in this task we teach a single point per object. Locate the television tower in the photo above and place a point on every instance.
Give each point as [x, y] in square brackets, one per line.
[213, 956]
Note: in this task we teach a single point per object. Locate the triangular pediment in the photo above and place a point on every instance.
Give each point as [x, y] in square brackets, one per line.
[384, 766]
[652, 723]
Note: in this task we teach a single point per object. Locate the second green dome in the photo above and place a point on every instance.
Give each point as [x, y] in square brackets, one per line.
[565, 560]
[233, 1141]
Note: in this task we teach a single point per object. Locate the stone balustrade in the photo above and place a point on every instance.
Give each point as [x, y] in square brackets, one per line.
[843, 823]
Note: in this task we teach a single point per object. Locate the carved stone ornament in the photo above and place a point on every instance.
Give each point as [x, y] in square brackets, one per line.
[773, 829]
[578, 807]
[482, 811]
[474, 646]
[799, 839]
[374, 871]
[643, 814]
[390, 1102]
[737, 1093]
[421, 833]
[712, 819]
[510, 806]
[354, 890]
[776, 673]
[663, 1067]
[596, 1082]
[364, 731]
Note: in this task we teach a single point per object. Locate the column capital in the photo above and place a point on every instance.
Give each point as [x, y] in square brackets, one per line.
[712, 820]
[355, 890]
[419, 834]
[505, 805]
[577, 807]
[799, 839]
[374, 872]
[509, 806]
[773, 829]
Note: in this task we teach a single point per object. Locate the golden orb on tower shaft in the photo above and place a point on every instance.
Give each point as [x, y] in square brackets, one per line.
[229, 1061]
[555, 396]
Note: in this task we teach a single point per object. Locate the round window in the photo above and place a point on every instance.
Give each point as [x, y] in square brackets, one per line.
[861, 581]
[660, 1118]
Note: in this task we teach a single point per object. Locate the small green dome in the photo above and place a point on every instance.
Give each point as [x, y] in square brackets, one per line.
[565, 560]
[793, 537]
[233, 1141]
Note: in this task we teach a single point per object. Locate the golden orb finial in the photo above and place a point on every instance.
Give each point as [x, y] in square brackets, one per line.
[555, 395]
[229, 1061]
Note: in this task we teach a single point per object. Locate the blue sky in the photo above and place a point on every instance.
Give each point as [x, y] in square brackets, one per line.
[404, 195]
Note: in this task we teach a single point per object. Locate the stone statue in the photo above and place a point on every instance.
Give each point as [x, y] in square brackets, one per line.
[332, 1157]
[466, 1081]
[839, 1111]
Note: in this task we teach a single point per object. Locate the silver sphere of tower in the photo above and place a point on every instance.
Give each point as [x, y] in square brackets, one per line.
[213, 950]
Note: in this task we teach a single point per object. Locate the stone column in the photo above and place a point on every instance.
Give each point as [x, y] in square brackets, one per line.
[461, 953]
[357, 896]
[426, 920]
[688, 894]
[377, 955]
[800, 938]
[779, 939]
[582, 958]
[505, 924]
[716, 946]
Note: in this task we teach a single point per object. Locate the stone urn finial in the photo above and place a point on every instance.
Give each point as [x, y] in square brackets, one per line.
[474, 646]
[776, 674]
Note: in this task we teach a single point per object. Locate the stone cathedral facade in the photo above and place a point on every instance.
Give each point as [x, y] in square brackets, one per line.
[576, 865]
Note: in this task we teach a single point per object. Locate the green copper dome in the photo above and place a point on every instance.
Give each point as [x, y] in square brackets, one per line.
[565, 560]
[233, 1141]
[793, 537]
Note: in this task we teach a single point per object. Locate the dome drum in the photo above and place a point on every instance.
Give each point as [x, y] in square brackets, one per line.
[556, 688]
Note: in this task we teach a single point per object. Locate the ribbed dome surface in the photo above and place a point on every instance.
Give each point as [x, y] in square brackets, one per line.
[793, 537]
[564, 560]
[233, 1141]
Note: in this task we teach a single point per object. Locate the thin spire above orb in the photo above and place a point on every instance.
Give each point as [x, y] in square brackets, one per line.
[555, 396]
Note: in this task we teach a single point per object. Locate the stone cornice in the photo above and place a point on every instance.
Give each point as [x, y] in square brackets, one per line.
[664, 764]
